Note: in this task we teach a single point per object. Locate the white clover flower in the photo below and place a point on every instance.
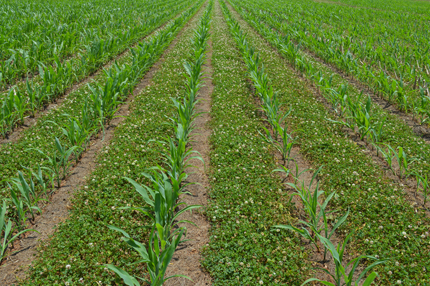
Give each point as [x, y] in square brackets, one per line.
[68, 266]
[389, 272]
[399, 282]
[404, 233]
[261, 282]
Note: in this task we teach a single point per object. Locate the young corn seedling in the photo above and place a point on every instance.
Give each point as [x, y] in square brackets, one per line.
[424, 182]
[7, 231]
[20, 217]
[402, 159]
[314, 210]
[76, 134]
[40, 179]
[20, 104]
[162, 200]
[59, 160]
[28, 192]
[35, 97]
[157, 257]
[340, 275]
[8, 114]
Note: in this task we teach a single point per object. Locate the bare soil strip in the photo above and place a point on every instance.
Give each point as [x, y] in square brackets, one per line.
[15, 266]
[15, 135]
[186, 260]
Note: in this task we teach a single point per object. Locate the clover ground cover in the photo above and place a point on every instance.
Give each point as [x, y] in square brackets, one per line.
[80, 242]
[385, 223]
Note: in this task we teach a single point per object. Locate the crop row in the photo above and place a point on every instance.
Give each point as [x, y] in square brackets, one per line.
[168, 183]
[42, 34]
[33, 96]
[388, 134]
[245, 197]
[50, 125]
[409, 93]
[83, 243]
[98, 109]
[385, 225]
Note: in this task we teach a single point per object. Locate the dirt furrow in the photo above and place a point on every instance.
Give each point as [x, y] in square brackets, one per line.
[186, 259]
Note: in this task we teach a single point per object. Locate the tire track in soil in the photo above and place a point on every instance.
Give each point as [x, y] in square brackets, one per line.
[16, 134]
[186, 260]
[14, 267]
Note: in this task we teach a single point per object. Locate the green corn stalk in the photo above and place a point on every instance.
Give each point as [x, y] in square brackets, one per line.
[340, 276]
[7, 230]
[388, 156]
[76, 134]
[424, 182]
[311, 206]
[28, 192]
[40, 179]
[20, 211]
[402, 159]
[157, 256]
[58, 161]
[8, 114]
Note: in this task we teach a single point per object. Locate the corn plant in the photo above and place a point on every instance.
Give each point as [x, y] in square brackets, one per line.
[287, 171]
[403, 160]
[424, 182]
[20, 104]
[8, 114]
[36, 96]
[40, 179]
[284, 145]
[76, 134]
[157, 256]
[6, 231]
[29, 196]
[162, 200]
[340, 276]
[58, 160]
[314, 210]
[388, 156]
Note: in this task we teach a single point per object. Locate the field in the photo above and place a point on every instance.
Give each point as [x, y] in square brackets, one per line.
[215, 142]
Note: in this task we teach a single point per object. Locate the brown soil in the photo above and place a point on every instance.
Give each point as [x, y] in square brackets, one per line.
[14, 267]
[186, 260]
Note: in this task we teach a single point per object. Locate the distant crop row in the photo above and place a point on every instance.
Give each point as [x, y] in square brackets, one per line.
[102, 100]
[33, 95]
[39, 34]
[398, 70]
